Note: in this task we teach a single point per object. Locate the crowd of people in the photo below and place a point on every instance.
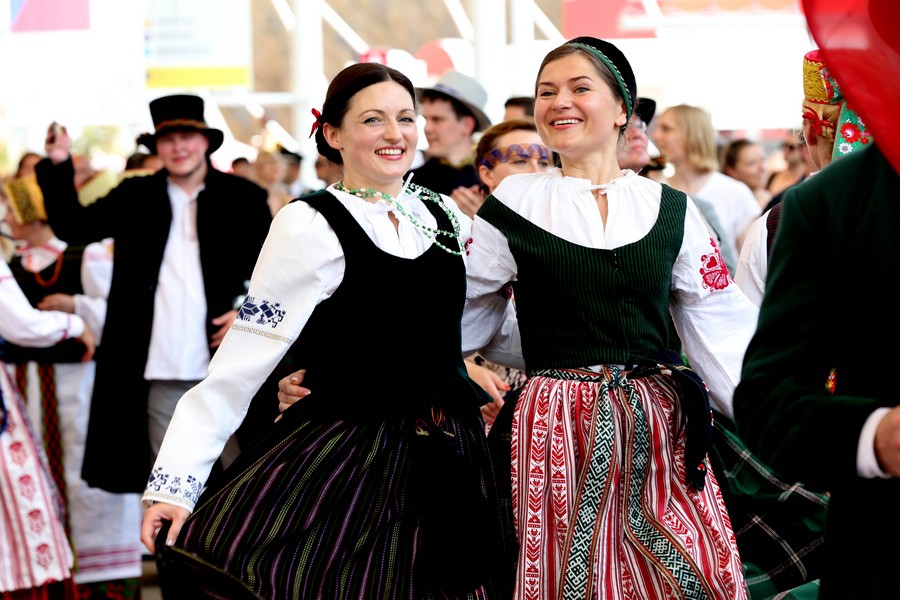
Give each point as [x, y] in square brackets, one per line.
[616, 380]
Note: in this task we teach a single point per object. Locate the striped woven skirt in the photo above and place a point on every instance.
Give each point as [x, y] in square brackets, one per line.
[600, 501]
[35, 554]
[401, 508]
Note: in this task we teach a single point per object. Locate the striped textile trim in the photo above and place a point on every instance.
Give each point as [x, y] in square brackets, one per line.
[601, 505]
[330, 511]
[568, 374]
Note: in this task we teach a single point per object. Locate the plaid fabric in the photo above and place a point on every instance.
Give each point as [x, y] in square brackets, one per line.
[116, 589]
[404, 508]
[60, 590]
[779, 525]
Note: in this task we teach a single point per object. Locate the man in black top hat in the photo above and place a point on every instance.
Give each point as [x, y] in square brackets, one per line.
[186, 241]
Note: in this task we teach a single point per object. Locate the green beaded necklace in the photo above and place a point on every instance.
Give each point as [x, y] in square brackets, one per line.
[423, 194]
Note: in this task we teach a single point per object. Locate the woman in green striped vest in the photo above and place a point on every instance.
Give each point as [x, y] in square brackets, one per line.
[612, 495]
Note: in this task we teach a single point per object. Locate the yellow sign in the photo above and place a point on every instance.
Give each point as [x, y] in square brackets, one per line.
[197, 77]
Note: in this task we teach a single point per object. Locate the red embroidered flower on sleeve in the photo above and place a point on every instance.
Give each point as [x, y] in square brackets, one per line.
[713, 269]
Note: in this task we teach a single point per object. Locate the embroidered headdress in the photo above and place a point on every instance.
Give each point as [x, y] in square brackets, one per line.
[860, 42]
[820, 89]
[25, 199]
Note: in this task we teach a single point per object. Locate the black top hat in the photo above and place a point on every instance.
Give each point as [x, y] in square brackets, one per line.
[645, 109]
[180, 112]
[290, 156]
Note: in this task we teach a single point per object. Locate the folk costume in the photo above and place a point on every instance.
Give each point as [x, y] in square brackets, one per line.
[371, 486]
[36, 557]
[57, 387]
[781, 522]
[218, 237]
[784, 409]
[612, 496]
[808, 399]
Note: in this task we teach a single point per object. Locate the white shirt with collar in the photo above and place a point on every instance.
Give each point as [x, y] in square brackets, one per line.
[179, 345]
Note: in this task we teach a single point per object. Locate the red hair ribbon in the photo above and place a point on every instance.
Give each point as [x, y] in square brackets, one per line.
[316, 123]
[816, 123]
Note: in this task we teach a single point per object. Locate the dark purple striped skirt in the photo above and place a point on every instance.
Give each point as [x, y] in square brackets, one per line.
[401, 508]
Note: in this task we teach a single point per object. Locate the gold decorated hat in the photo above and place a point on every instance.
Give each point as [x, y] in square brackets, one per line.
[25, 199]
[819, 85]
[820, 88]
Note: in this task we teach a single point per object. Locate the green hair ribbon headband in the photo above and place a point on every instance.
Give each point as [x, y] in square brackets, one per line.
[626, 93]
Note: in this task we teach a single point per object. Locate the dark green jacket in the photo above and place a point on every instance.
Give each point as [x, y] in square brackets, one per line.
[828, 304]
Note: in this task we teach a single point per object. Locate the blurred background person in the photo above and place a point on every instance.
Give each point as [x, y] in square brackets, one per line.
[178, 269]
[831, 130]
[508, 147]
[684, 134]
[26, 164]
[35, 550]
[518, 107]
[799, 165]
[57, 385]
[291, 180]
[328, 171]
[268, 173]
[634, 153]
[453, 110]
[745, 161]
[242, 167]
[141, 162]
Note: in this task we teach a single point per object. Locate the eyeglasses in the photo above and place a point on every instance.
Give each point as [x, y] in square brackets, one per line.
[496, 155]
[639, 125]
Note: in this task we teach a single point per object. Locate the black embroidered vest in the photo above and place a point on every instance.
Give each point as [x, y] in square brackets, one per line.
[388, 341]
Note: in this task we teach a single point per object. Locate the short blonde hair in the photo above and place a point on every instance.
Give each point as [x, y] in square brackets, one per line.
[699, 135]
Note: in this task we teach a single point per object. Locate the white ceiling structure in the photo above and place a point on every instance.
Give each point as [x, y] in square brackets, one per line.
[744, 66]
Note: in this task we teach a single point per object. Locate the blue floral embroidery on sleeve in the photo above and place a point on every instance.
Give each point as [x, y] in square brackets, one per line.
[263, 312]
[165, 483]
[157, 480]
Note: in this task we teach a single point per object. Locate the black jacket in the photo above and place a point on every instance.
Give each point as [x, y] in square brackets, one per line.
[233, 219]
